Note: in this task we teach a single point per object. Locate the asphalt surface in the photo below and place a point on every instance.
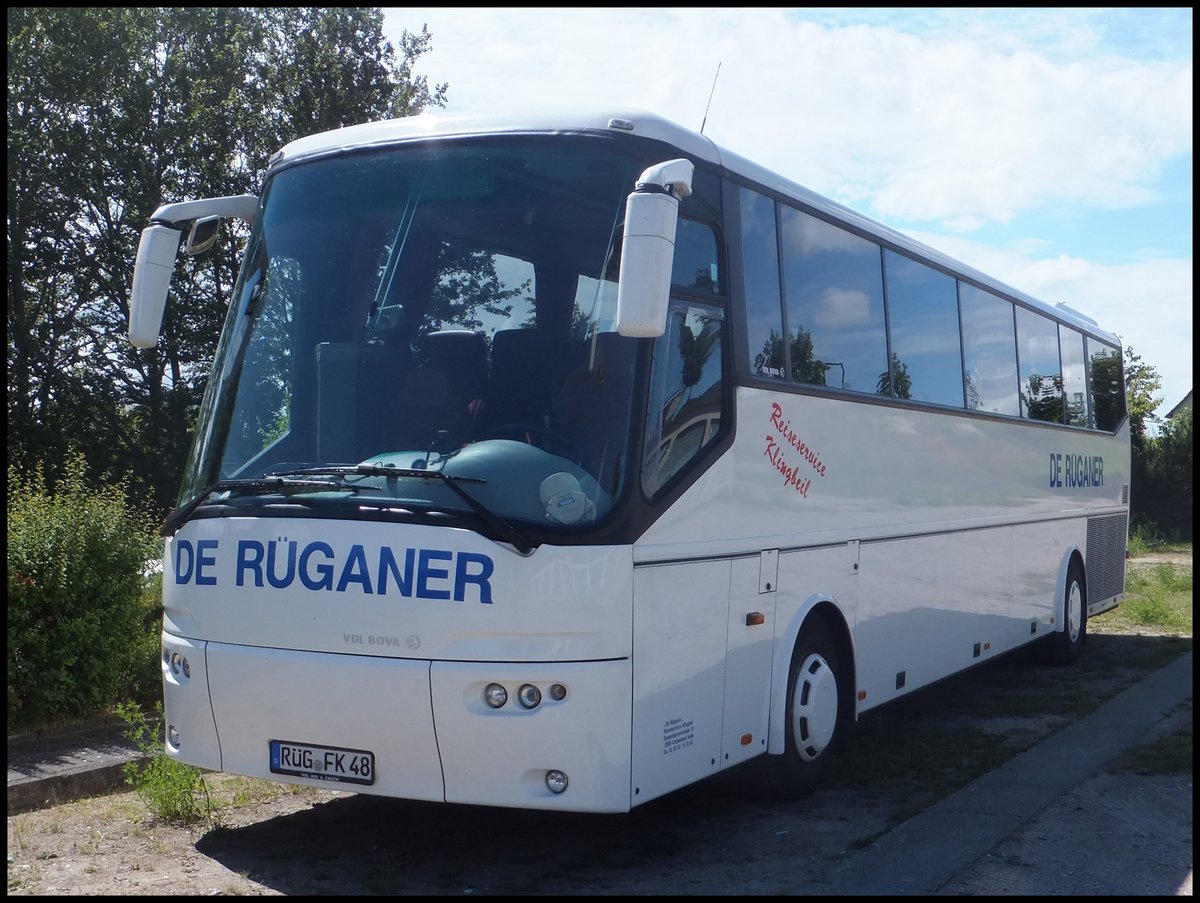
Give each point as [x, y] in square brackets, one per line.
[1050, 821]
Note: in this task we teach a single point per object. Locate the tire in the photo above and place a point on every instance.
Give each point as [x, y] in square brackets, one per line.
[1064, 646]
[815, 722]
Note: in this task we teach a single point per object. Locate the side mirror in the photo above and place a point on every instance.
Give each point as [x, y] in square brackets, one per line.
[203, 233]
[648, 252]
[151, 281]
[155, 262]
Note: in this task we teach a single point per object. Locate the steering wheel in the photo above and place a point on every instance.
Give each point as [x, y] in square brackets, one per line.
[547, 440]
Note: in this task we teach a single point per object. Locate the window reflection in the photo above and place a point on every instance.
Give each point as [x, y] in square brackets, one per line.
[834, 285]
[695, 266]
[1107, 384]
[923, 317]
[764, 313]
[1074, 373]
[1041, 374]
[989, 351]
[684, 414]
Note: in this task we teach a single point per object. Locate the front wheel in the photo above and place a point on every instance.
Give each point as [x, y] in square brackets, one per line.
[815, 726]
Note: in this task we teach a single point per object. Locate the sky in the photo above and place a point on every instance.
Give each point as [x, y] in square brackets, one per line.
[1049, 148]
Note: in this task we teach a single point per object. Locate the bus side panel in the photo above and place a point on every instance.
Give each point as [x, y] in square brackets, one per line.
[679, 628]
[499, 757]
[929, 607]
[979, 585]
[750, 648]
[1037, 558]
[357, 702]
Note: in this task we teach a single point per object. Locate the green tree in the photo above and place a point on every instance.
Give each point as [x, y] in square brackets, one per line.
[1042, 398]
[1171, 464]
[113, 112]
[1142, 383]
[898, 380]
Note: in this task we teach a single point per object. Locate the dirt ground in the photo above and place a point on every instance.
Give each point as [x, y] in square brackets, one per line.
[713, 838]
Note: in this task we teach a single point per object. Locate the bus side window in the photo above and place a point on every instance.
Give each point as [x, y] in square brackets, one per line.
[684, 412]
[1106, 385]
[696, 266]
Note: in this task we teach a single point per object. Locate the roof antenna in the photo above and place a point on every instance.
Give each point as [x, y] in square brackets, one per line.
[710, 97]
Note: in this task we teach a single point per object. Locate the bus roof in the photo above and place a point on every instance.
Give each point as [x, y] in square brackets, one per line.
[568, 120]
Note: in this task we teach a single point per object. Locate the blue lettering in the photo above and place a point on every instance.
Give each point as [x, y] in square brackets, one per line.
[480, 579]
[183, 573]
[324, 572]
[1077, 471]
[387, 564]
[290, 573]
[423, 573]
[249, 558]
[426, 572]
[204, 560]
[355, 570]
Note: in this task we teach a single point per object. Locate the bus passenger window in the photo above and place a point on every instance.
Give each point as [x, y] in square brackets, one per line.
[684, 411]
[1074, 376]
[1107, 385]
[989, 351]
[834, 285]
[1041, 373]
[760, 263]
[923, 318]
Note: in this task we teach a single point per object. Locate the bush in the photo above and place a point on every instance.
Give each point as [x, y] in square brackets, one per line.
[77, 613]
[172, 791]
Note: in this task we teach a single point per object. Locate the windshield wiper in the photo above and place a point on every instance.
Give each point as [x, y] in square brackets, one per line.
[274, 483]
[507, 531]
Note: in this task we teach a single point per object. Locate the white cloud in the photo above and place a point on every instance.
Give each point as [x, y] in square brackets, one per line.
[942, 119]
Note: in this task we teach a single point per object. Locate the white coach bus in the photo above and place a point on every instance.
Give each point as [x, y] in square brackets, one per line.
[564, 462]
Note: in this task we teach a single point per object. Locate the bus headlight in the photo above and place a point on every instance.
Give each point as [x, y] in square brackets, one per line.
[529, 696]
[495, 695]
[180, 665]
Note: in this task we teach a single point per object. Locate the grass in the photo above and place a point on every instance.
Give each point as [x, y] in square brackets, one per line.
[1157, 596]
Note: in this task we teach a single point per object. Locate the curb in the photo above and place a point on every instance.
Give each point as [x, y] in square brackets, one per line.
[74, 784]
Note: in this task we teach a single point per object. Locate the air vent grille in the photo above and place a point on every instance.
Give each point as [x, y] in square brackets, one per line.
[1106, 538]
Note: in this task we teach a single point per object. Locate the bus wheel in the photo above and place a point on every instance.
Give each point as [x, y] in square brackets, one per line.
[1063, 647]
[814, 724]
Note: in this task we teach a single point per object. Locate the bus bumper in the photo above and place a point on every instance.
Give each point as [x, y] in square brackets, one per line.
[235, 700]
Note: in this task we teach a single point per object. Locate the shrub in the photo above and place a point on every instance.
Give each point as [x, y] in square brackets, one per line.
[77, 619]
[171, 790]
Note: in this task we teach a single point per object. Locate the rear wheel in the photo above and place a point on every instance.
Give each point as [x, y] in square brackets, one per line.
[1064, 646]
[814, 723]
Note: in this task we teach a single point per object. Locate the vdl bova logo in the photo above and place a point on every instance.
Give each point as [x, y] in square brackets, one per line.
[316, 566]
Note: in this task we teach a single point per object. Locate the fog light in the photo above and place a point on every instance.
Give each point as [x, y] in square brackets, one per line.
[495, 695]
[556, 781]
[173, 736]
[529, 696]
[558, 692]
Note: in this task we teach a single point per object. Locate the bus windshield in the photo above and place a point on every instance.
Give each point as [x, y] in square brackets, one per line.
[429, 306]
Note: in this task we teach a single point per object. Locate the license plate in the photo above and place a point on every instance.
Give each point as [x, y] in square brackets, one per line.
[324, 763]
